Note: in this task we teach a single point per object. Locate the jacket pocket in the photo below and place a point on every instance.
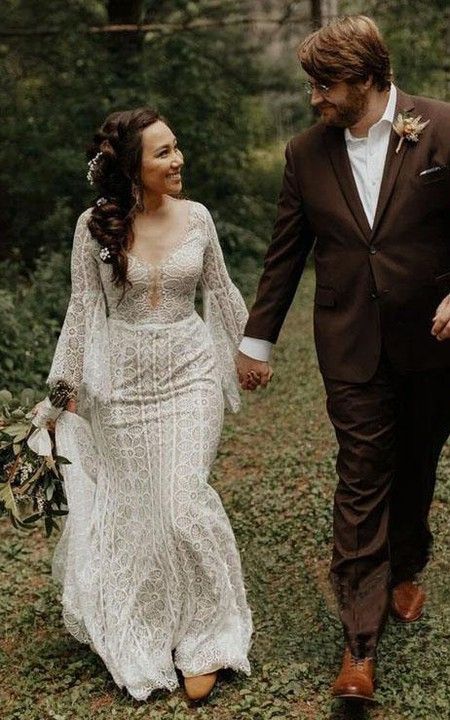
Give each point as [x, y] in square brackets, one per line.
[433, 175]
[325, 297]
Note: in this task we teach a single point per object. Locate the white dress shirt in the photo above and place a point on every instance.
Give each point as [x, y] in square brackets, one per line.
[367, 158]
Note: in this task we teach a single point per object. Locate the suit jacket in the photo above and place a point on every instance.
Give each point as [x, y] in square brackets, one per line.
[373, 286]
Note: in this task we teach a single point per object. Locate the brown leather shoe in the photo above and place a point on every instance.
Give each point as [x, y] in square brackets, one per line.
[198, 687]
[407, 602]
[356, 679]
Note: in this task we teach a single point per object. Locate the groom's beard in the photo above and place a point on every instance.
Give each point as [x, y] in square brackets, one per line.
[347, 113]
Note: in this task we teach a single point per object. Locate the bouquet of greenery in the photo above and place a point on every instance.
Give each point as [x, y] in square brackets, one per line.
[31, 483]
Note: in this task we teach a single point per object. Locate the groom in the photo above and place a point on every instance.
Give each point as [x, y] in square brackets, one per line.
[376, 206]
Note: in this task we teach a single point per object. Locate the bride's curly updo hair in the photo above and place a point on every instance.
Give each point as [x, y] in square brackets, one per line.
[116, 152]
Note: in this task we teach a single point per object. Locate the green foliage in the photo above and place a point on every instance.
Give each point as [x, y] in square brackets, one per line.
[416, 33]
[31, 313]
[59, 87]
[51, 92]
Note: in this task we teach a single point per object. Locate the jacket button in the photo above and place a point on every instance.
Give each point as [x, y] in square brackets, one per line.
[372, 250]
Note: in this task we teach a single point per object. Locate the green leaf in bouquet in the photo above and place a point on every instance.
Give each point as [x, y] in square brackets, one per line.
[59, 497]
[18, 414]
[48, 522]
[5, 397]
[7, 498]
[56, 473]
[60, 460]
[31, 519]
[15, 429]
[27, 397]
[18, 437]
[17, 448]
[18, 524]
[49, 490]
[13, 520]
[60, 513]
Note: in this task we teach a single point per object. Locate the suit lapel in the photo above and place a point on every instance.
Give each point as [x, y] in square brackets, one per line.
[393, 162]
[337, 150]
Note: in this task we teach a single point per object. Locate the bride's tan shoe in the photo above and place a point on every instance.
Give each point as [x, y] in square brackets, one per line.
[198, 687]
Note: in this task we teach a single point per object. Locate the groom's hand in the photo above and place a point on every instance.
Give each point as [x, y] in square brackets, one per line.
[441, 321]
[252, 372]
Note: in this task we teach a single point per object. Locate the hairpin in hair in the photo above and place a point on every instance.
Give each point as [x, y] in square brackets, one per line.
[105, 254]
[92, 164]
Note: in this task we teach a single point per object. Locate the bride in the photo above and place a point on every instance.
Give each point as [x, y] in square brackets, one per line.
[148, 562]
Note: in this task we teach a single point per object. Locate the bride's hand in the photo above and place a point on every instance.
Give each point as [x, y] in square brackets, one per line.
[71, 406]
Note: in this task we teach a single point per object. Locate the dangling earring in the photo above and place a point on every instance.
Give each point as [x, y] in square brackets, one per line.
[137, 195]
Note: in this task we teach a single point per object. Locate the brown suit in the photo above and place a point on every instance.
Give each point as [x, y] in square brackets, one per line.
[373, 285]
[376, 293]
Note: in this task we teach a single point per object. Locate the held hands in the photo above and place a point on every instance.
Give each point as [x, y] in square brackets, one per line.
[441, 321]
[252, 372]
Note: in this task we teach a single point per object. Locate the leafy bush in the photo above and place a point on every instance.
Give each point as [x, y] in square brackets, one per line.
[200, 81]
[31, 312]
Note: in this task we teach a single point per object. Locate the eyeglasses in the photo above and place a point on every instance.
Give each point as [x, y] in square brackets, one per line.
[310, 86]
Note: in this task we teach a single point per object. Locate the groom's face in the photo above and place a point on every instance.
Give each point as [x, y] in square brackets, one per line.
[343, 105]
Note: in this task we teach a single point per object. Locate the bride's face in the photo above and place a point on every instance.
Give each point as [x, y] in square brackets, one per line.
[161, 160]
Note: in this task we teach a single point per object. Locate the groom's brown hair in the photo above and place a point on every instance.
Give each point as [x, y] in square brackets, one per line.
[350, 48]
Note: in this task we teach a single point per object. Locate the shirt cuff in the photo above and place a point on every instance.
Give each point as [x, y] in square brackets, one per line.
[256, 348]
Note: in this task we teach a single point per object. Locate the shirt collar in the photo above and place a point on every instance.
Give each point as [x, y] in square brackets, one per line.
[388, 115]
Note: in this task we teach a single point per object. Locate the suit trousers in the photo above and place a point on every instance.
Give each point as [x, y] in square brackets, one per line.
[390, 431]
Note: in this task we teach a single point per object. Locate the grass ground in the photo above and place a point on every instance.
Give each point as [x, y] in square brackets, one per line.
[275, 473]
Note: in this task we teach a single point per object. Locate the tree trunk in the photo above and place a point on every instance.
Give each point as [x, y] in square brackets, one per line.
[447, 55]
[316, 13]
[322, 11]
[125, 48]
[122, 12]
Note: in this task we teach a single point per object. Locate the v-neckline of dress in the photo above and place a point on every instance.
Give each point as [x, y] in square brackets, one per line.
[176, 248]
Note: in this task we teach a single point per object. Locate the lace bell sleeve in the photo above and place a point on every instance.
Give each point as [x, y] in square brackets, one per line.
[74, 361]
[224, 312]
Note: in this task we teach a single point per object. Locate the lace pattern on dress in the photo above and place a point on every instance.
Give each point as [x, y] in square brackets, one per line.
[150, 571]
[82, 352]
[225, 314]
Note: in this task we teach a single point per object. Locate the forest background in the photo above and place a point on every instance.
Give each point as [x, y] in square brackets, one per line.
[223, 72]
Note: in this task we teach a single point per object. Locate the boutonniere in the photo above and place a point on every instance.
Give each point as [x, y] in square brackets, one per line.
[408, 128]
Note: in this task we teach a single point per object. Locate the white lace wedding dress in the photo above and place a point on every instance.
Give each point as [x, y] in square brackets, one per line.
[148, 562]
